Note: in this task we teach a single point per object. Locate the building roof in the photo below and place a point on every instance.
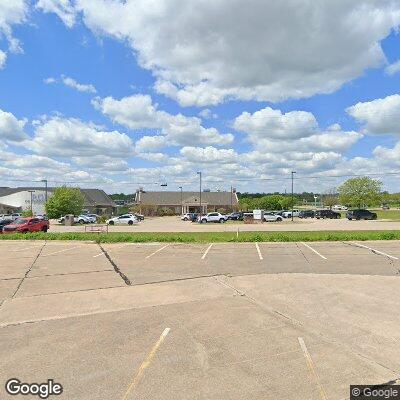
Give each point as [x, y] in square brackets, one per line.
[93, 197]
[174, 198]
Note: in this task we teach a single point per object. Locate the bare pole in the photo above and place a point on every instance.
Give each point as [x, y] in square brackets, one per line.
[293, 172]
[201, 210]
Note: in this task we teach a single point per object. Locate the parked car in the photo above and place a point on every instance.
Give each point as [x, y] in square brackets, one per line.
[3, 223]
[281, 212]
[236, 216]
[213, 217]
[385, 207]
[92, 216]
[272, 217]
[11, 217]
[187, 216]
[139, 217]
[126, 219]
[338, 207]
[288, 214]
[327, 214]
[360, 214]
[307, 214]
[25, 225]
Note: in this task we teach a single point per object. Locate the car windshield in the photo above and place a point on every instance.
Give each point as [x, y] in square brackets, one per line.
[20, 221]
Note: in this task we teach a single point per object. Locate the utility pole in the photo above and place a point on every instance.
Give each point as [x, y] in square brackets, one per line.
[293, 172]
[231, 198]
[201, 210]
[180, 187]
[31, 192]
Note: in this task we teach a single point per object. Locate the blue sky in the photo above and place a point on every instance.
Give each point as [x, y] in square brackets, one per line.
[117, 95]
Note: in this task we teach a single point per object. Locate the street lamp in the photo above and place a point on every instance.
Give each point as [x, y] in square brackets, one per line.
[293, 172]
[180, 187]
[201, 210]
[315, 201]
[31, 192]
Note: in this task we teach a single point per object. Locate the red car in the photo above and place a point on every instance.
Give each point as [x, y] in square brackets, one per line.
[25, 225]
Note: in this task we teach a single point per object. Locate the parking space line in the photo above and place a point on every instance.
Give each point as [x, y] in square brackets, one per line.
[375, 251]
[315, 251]
[312, 369]
[259, 251]
[152, 254]
[145, 364]
[60, 251]
[207, 250]
[98, 255]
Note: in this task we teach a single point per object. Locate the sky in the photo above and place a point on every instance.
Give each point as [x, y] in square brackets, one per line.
[122, 94]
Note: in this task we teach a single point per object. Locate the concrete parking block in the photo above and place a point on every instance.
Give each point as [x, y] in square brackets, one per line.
[35, 286]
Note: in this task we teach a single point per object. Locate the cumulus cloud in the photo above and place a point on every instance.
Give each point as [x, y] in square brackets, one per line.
[63, 8]
[393, 68]
[206, 113]
[11, 129]
[208, 56]
[139, 112]
[150, 143]
[3, 58]
[69, 137]
[80, 87]
[208, 154]
[379, 116]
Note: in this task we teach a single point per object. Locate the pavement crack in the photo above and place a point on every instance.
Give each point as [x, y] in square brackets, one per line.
[115, 266]
[29, 270]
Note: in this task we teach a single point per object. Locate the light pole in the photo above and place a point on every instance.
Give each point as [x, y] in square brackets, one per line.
[315, 201]
[180, 187]
[201, 210]
[31, 192]
[293, 172]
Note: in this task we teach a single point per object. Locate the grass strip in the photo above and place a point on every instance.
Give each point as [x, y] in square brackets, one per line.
[209, 237]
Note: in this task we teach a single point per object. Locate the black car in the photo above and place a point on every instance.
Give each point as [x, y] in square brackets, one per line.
[236, 216]
[4, 222]
[327, 214]
[307, 214]
[360, 214]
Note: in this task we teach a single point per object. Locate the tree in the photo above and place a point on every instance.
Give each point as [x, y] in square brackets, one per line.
[64, 201]
[358, 192]
[331, 198]
[271, 202]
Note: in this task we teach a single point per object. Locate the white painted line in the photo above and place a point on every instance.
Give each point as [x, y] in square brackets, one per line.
[312, 369]
[259, 251]
[315, 251]
[98, 255]
[60, 251]
[206, 252]
[152, 254]
[375, 251]
[145, 364]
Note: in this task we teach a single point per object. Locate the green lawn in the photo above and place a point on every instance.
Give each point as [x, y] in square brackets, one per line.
[210, 237]
[388, 214]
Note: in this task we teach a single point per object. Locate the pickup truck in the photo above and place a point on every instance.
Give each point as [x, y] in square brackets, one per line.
[213, 217]
[25, 225]
[288, 214]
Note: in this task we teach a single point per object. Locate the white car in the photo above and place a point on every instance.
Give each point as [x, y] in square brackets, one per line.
[338, 207]
[126, 219]
[213, 217]
[288, 214]
[272, 217]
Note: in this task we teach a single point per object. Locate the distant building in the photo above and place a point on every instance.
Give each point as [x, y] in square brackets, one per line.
[19, 199]
[184, 202]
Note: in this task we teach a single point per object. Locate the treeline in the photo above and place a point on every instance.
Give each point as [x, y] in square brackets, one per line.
[266, 202]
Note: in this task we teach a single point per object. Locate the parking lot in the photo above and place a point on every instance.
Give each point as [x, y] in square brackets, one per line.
[200, 321]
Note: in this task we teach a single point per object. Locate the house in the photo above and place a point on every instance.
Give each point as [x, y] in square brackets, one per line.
[23, 198]
[183, 202]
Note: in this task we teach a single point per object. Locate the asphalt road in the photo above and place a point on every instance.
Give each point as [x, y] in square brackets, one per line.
[215, 321]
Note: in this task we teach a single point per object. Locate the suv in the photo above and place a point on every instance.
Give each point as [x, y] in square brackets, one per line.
[187, 216]
[307, 214]
[236, 216]
[213, 217]
[25, 225]
[327, 214]
[360, 214]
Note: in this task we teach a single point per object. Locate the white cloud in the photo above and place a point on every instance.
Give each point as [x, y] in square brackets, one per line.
[150, 143]
[393, 68]
[3, 58]
[49, 81]
[11, 128]
[207, 114]
[72, 83]
[380, 116]
[227, 50]
[63, 8]
[208, 155]
[71, 137]
[139, 112]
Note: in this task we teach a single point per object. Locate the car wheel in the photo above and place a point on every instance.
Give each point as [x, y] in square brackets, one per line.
[185, 219]
[130, 222]
[204, 221]
[221, 221]
[279, 220]
[44, 229]
[111, 223]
